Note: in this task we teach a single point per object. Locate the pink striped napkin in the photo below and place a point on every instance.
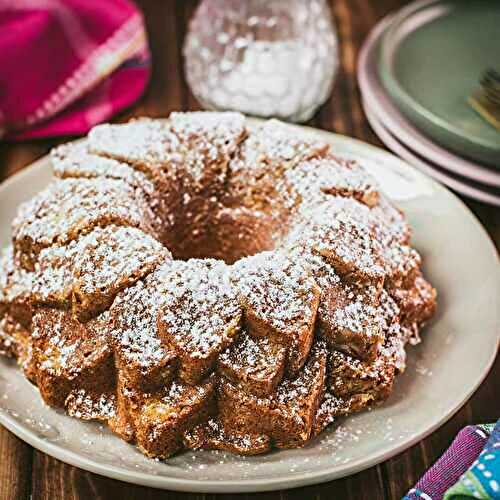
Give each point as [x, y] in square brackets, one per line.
[66, 65]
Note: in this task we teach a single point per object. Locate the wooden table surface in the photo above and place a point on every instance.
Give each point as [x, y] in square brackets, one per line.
[26, 473]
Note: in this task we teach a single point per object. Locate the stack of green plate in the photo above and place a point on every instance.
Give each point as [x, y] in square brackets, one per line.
[416, 72]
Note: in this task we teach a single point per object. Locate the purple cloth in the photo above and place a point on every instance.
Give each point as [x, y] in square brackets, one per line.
[447, 470]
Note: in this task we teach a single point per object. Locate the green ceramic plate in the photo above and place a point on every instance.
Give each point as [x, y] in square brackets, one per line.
[432, 57]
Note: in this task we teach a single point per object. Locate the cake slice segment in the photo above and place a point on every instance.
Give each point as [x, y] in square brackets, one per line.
[349, 320]
[256, 364]
[87, 273]
[276, 144]
[15, 288]
[200, 315]
[332, 407]
[75, 160]
[363, 248]
[211, 139]
[164, 419]
[109, 260]
[256, 171]
[70, 208]
[149, 145]
[340, 230]
[417, 301]
[354, 385]
[212, 435]
[133, 317]
[348, 376]
[280, 300]
[353, 318]
[287, 416]
[70, 355]
[318, 178]
[144, 364]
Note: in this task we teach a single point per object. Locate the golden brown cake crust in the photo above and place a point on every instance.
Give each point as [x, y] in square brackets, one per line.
[200, 283]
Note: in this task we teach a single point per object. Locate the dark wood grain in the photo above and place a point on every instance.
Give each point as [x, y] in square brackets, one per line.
[26, 473]
[15, 467]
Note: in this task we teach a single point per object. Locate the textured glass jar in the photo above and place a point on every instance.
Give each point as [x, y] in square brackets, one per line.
[262, 57]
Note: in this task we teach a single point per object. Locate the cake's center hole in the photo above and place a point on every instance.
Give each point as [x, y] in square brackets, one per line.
[232, 234]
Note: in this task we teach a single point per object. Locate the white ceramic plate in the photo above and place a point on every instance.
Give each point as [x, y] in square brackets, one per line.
[458, 349]
[389, 115]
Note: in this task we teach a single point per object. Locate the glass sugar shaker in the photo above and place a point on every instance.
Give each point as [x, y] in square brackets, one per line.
[262, 57]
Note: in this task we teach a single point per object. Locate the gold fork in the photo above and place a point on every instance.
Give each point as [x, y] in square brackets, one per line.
[486, 99]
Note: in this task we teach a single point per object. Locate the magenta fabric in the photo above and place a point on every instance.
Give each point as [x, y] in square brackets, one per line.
[66, 65]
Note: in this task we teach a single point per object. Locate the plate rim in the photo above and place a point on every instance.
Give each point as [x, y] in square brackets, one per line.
[408, 102]
[391, 142]
[380, 104]
[292, 480]
[378, 99]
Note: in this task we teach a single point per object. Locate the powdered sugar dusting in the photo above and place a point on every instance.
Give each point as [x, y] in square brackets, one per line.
[70, 207]
[75, 160]
[280, 291]
[200, 312]
[140, 142]
[316, 179]
[15, 282]
[82, 404]
[276, 143]
[310, 329]
[134, 316]
[96, 265]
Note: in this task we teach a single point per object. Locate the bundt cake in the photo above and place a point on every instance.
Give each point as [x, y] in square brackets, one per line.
[199, 282]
